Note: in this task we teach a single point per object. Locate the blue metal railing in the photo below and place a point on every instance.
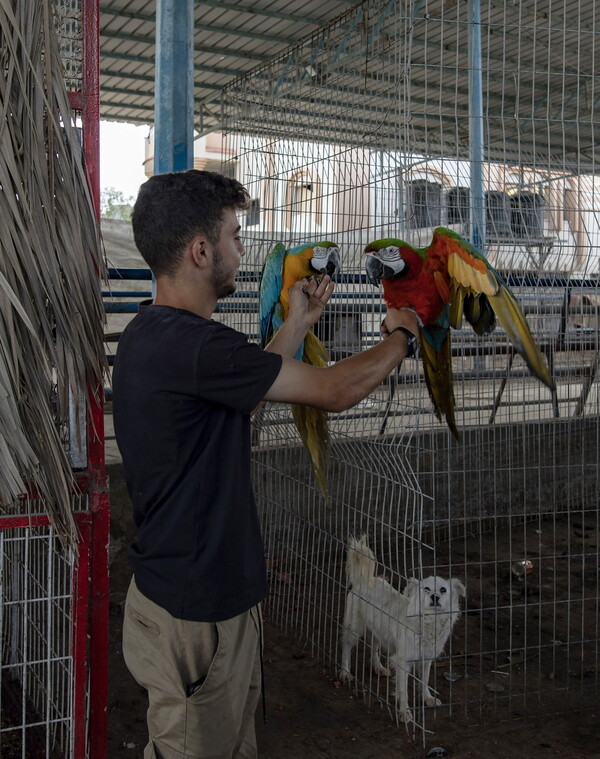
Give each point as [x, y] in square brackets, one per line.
[113, 306]
[369, 301]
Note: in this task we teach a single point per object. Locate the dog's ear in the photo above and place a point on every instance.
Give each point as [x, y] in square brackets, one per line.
[412, 585]
[458, 589]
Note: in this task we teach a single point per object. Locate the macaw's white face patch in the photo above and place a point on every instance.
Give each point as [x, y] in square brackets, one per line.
[392, 259]
[391, 253]
[325, 260]
[384, 264]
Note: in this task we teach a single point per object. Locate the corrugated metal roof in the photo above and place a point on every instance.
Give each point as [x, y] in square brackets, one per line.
[385, 67]
[231, 39]
[394, 75]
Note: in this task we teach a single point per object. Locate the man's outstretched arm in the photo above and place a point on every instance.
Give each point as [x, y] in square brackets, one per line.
[345, 383]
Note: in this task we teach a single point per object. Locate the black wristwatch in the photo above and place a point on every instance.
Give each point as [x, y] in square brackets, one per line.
[411, 341]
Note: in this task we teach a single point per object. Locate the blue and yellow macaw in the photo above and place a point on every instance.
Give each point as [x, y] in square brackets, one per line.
[282, 269]
[441, 283]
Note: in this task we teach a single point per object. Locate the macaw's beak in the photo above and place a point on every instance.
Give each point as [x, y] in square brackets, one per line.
[333, 262]
[328, 269]
[374, 270]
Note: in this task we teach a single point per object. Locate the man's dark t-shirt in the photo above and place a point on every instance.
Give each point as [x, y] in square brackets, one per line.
[183, 390]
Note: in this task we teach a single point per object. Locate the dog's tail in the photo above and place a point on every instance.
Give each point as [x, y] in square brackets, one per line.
[360, 562]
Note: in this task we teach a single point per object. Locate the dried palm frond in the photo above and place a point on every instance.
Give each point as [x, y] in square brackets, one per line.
[51, 312]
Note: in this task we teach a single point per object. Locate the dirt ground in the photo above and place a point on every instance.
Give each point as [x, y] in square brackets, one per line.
[309, 714]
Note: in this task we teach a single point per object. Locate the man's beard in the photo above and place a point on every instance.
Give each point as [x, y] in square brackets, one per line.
[222, 282]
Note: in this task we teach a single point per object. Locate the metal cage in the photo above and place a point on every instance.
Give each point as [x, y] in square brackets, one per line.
[363, 131]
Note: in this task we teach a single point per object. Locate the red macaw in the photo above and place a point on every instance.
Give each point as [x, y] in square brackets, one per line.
[282, 269]
[441, 283]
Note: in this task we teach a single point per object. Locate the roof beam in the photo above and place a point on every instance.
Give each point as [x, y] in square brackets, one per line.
[105, 105]
[234, 73]
[236, 7]
[239, 8]
[147, 94]
[127, 75]
[144, 78]
[130, 107]
[128, 92]
[249, 35]
[137, 39]
[149, 18]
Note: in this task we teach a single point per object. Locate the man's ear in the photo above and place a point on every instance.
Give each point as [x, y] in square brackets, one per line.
[198, 252]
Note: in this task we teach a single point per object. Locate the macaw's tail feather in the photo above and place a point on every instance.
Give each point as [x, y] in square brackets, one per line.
[315, 353]
[514, 323]
[312, 422]
[312, 426]
[435, 349]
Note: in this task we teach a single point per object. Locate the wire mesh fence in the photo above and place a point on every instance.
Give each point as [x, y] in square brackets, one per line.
[366, 130]
[69, 28]
[38, 620]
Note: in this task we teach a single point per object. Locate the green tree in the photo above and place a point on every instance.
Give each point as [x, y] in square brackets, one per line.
[114, 205]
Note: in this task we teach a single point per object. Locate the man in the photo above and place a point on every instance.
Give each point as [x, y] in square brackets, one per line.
[183, 388]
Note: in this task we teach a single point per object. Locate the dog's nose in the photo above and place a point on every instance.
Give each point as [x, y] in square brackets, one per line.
[435, 600]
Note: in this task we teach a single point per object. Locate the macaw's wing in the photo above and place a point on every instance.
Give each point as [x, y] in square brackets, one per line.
[436, 354]
[480, 293]
[513, 320]
[271, 279]
[475, 308]
[471, 281]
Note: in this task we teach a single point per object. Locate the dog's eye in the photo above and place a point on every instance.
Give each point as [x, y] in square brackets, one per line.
[427, 590]
[442, 590]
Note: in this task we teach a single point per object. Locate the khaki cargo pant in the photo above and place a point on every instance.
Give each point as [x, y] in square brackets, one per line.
[203, 680]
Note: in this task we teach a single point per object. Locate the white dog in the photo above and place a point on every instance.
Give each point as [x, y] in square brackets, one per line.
[412, 627]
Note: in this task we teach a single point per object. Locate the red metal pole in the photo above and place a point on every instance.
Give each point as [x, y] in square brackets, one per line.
[99, 500]
[99, 609]
[90, 92]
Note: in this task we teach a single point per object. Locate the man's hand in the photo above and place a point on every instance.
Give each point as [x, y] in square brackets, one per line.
[399, 317]
[308, 298]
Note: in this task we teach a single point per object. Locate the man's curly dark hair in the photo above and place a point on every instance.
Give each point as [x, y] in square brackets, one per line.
[172, 209]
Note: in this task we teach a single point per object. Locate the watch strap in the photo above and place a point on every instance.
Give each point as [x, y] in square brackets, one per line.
[411, 340]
